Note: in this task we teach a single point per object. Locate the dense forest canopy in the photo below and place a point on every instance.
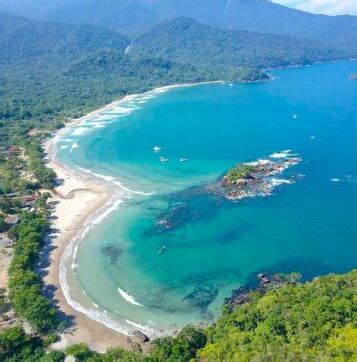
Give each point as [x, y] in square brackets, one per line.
[186, 40]
[50, 71]
[311, 321]
[130, 16]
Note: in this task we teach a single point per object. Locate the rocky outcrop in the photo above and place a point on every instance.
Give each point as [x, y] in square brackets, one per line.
[141, 336]
[266, 282]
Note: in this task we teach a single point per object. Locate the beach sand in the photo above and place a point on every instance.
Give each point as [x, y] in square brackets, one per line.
[74, 201]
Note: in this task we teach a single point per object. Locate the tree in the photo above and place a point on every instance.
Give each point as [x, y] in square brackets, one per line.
[80, 351]
[15, 344]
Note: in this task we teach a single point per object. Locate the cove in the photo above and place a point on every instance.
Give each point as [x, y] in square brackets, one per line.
[214, 245]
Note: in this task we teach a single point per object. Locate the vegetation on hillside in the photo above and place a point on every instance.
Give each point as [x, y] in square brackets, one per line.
[311, 320]
[263, 16]
[25, 285]
[186, 40]
[240, 171]
[50, 72]
[314, 320]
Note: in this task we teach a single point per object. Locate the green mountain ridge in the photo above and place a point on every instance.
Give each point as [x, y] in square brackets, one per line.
[185, 40]
[21, 38]
[251, 15]
[51, 70]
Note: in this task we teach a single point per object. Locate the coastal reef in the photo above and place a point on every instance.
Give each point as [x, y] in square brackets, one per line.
[266, 282]
[257, 178]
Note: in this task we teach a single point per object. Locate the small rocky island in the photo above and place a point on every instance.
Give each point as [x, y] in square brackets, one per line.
[257, 178]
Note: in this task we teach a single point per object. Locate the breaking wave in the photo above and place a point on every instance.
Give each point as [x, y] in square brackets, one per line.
[129, 298]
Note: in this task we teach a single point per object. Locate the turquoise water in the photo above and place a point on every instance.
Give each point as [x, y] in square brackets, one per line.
[215, 245]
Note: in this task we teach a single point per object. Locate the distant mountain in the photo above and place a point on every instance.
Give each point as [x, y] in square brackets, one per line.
[50, 70]
[22, 40]
[120, 15]
[187, 41]
[252, 15]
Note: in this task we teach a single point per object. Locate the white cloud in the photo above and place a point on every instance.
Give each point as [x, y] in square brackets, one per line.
[329, 7]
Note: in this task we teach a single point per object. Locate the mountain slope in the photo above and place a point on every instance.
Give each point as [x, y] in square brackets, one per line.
[252, 15]
[50, 70]
[22, 39]
[185, 40]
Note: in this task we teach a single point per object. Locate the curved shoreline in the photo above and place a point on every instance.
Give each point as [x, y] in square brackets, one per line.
[94, 198]
[90, 197]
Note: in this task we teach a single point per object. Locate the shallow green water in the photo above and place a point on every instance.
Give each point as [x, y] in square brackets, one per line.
[215, 245]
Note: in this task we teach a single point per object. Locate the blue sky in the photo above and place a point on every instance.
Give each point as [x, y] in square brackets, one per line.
[330, 7]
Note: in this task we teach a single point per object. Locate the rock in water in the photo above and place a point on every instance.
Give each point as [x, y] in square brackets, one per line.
[141, 336]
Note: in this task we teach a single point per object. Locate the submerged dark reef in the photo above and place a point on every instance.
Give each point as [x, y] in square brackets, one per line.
[245, 180]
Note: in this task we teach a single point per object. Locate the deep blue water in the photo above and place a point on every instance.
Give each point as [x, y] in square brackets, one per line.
[216, 245]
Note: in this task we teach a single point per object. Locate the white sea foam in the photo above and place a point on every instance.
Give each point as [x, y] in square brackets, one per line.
[146, 329]
[282, 154]
[259, 162]
[65, 140]
[280, 181]
[114, 181]
[129, 298]
[278, 155]
[70, 252]
[79, 131]
[123, 110]
[73, 147]
[118, 110]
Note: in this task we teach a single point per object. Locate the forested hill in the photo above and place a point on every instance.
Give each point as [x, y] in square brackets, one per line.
[52, 70]
[186, 40]
[295, 322]
[252, 15]
[23, 40]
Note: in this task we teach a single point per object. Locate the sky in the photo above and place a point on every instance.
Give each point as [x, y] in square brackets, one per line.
[329, 7]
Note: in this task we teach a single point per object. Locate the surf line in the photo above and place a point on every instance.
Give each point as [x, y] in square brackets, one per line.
[129, 298]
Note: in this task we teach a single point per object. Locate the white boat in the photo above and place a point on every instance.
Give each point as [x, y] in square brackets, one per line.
[295, 116]
[157, 149]
[163, 159]
[183, 159]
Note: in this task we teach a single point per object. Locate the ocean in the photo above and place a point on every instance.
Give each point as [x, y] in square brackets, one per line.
[165, 253]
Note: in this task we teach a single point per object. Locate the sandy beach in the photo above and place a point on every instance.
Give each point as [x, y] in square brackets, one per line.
[74, 201]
